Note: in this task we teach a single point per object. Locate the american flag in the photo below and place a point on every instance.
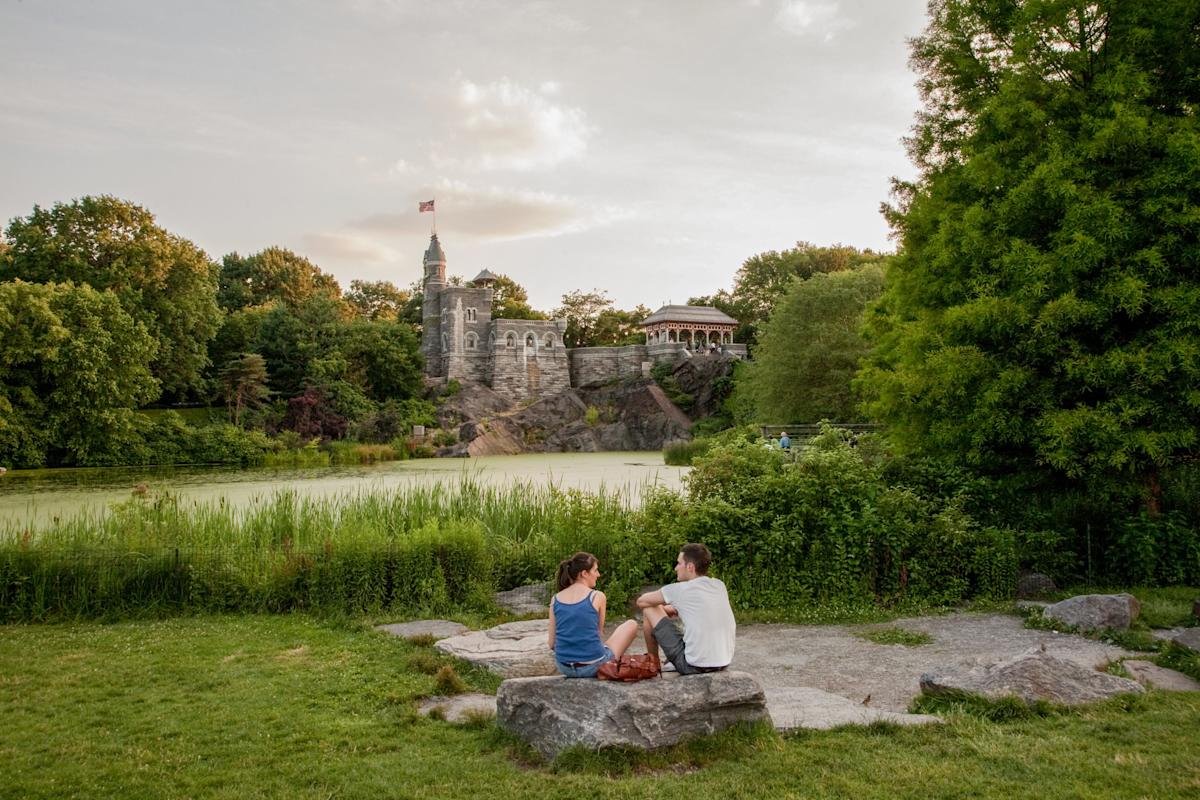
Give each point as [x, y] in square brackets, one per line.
[425, 205]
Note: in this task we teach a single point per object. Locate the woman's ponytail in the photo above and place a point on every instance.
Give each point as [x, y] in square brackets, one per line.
[569, 568]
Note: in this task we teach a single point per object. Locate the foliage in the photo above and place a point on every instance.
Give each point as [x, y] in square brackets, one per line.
[764, 278]
[378, 300]
[244, 384]
[511, 301]
[395, 420]
[273, 274]
[72, 364]
[895, 635]
[311, 416]
[1042, 314]
[683, 453]
[809, 348]
[164, 282]
[582, 311]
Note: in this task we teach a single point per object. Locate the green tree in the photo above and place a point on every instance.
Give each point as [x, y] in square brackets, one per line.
[377, 300]
[73, 365]
[511, 301]
[582, 311]
[163, 281]
[244, 385]
[615, 327]
[275, 273]
[1044, 311]
[764, 278]
[810, 347]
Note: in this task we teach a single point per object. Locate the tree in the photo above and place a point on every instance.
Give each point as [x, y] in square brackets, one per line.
[73, 365]
[511, 301]
[1043, 314]
[376, 300]
[164, 282]
[809, 348]
[615, 327]
[274, 274]
[764, 278]
[244, 384]
[581, 310]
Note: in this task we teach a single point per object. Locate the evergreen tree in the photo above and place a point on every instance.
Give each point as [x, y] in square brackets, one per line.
[1043, 314]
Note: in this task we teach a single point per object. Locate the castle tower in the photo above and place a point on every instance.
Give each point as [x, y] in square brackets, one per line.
[431, 313]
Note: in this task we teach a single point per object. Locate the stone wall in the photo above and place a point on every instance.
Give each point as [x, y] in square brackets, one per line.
[596, 366]
[528, 358]
[465, 323]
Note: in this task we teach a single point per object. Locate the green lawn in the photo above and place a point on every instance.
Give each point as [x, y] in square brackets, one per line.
[291, 706]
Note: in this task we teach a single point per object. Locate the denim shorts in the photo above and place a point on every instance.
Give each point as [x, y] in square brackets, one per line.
[587, 670]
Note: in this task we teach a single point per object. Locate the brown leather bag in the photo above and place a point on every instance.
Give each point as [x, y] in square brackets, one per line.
[637, 667]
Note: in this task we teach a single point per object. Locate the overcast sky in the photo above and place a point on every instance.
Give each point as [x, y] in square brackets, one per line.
[643, 148]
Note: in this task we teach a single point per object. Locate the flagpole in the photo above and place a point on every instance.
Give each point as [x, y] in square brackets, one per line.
[435, 215]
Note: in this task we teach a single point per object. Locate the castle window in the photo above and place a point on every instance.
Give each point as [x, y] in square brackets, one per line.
[549, 340]
[472, 341]
[444, 343]
[491, 340]
[530, 341]
[511, 340]
[470, 315]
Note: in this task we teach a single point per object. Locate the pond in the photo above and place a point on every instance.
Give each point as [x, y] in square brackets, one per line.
[35, 496]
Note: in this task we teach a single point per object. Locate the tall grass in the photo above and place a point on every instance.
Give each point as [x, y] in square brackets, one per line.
[425, 548]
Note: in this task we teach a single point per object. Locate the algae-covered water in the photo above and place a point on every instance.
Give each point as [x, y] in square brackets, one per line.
[40, 495]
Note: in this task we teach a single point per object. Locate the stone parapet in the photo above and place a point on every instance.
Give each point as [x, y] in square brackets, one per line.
[595, 366]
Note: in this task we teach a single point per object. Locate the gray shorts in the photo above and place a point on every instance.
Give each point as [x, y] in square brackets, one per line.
[670, 639]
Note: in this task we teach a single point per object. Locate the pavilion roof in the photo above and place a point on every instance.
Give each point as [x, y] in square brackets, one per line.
[702, 315]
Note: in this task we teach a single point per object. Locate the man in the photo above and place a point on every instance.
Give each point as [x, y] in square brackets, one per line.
[784, 442]
[706, 644]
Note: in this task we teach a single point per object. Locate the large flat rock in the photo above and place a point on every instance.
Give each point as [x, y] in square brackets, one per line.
[554, 714]
[1031, 676]
[513, 650]
[437, 628]
[806, 707]
[1091, 612]
[1153, 676]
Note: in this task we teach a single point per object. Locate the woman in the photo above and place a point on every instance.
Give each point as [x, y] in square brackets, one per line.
[577, 620]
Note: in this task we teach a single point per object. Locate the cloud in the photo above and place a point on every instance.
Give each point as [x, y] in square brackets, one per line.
[503, 125]
[818, 18]
[342, 247]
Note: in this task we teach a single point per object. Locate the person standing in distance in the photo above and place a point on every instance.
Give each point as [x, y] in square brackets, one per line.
[702, 603]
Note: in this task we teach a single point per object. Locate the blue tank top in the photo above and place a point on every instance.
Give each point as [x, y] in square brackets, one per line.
[577, 631]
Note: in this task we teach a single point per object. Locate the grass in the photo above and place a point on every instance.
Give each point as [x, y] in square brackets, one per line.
[290, 706]
[895, 635]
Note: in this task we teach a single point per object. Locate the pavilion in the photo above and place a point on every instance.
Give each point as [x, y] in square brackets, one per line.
[695, 326]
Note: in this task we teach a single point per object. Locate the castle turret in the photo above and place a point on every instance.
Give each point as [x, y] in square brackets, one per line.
[431, 314]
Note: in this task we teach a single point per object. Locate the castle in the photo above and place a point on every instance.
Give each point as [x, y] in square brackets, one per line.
[527, 359]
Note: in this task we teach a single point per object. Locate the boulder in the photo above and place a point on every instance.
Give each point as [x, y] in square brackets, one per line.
[1031, 676]
[531, 599]
[1188, 637]
[1196, 609]
[1096, 611]
[1032, 585]
[795, 707]
[514, 649]
[459, 707]
[437, 628]
[1153, 676]
[554, 714]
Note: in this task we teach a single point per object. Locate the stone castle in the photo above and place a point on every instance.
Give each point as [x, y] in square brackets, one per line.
[527, 359]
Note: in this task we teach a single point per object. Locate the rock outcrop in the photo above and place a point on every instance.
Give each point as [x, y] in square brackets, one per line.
[436, 628]
[1153, 676]
[795, 707]
[1034, 585]
[514, 649]
[706, 377]
[1091, 612]
[1031, 676]
[1188, 637]
[554, 714]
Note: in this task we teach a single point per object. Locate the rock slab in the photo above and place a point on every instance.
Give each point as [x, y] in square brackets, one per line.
[531, 599]
[437, 628]
[1153, 676]
[1091, 612]
[1031, 676]
[513, 650]
[805, 707]
[1032, 585]
[459, 707]
[554, 714]
[1188, 637]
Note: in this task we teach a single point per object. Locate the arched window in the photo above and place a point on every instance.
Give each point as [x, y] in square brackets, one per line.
[530, 341]
[511, 339]
[444, 343]
[472, 341]
[549, 340]
[470, 315]
[491, 340]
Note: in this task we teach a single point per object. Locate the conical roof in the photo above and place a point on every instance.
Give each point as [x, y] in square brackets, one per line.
[485, 275]
[434, 253]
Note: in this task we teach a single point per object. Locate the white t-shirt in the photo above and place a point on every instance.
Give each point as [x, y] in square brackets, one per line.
[709, 629]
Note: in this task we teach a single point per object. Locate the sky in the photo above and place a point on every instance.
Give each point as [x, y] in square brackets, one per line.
[645, 149]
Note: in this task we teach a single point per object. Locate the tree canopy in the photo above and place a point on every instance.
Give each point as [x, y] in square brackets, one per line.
[273, 274]
[511, 301]
[1044, 310]
[809, 349]
[163, 281]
